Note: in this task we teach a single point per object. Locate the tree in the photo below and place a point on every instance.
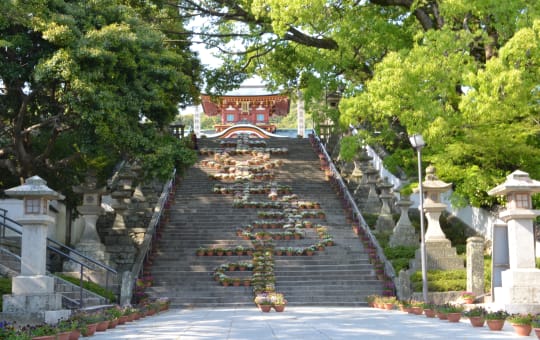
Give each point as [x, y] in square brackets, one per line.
[463, 73]
[79, 78]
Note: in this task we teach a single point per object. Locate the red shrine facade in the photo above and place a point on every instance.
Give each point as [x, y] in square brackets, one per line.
[249, 105]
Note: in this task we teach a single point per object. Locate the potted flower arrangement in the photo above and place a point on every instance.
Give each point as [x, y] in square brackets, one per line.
[263, 302]
[476, 315]
[521, 323]
[495, 319]
[453, 312]
[429, 310]
[467, 297]
[278, 301]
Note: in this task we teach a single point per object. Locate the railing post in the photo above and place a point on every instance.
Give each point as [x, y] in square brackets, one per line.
[81, 301]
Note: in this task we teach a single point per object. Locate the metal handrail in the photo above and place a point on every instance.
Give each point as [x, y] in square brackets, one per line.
[149, 237]
[17, 228]
[357, 215]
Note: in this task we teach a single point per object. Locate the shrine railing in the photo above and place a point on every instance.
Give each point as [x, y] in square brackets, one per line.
[349, 203]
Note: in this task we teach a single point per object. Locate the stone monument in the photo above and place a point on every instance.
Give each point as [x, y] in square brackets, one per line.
[385, 221]
[89, 243]
[439, 251]
[33, 290]
[520, 284]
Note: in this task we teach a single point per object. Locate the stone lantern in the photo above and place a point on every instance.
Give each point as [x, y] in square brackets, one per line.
[520, 284]
[439, 251]
[33, 290]
[433, 188]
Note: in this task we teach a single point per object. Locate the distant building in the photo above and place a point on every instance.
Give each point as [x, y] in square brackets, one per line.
[251, 104]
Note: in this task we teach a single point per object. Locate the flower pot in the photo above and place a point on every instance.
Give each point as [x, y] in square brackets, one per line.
[90, 329]
[429, 313]
[442, 316]
[417, 310]
[477, 321]
[279, 308]
[468, 301]
[495, 325]
[102, 326]
[63, 336]
[44, 337]
[113, 323]
[537, 332]
[123, 319]
[389, 306]
[522, 330]
[265, 308]
[75, 334]
[453, 317]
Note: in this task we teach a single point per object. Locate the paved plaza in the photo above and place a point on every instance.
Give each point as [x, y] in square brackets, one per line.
[310, 323]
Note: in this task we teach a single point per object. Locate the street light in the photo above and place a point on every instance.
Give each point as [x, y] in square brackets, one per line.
[418, 143]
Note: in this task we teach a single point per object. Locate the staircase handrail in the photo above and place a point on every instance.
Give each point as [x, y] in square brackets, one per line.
[17, 228]
[146, 246]
[388, 268]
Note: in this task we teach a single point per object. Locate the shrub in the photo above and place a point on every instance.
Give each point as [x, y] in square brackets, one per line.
[91, 286]
[5, 287]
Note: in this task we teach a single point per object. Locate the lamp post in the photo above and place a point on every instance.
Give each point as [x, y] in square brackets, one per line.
[418, 143]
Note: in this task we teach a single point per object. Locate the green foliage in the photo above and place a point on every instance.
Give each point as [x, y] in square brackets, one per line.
[95, 70]
[91, 286]
[400, 256]
[349, 148]
[5, 287]
[441, 281]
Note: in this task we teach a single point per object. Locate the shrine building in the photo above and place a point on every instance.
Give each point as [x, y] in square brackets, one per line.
[250, 104]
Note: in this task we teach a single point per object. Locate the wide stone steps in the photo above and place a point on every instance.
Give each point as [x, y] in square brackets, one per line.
[337, 275]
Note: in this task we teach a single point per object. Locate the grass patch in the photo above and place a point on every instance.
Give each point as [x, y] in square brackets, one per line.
[91, 286]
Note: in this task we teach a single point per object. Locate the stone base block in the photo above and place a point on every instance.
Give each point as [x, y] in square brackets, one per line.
[31, 285]
[31, 303]
[50, 317]
[519, 286]
[384, 223]
[440, 255]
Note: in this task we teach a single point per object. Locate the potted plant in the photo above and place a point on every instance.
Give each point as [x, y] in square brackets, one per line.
[521, 323]
[43, 332]
[429, 310]
[278, 301]
[453, 312]
[467, 297]
[495, 319]
[476, 315]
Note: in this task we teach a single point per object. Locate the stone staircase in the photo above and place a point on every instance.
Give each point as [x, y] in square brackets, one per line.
[338, 275]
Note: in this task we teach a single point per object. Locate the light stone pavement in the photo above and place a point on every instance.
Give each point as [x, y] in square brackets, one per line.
[310, 323]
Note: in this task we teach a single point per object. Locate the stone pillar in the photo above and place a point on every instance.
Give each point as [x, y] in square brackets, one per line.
[475, 265]
[520, 284]
[33, 290]
[385, 221]
[404, 234]
[301, 124]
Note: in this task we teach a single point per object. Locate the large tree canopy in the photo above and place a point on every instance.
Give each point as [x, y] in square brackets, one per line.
[464, 73]
[77, 79]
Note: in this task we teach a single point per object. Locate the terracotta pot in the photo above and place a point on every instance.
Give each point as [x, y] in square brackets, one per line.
[522, 330]
[453, 317]
[113, 323]
[389, 306]
[123, 319]
[468, 301]
[442, 316]
[90, 329]
[495, 325]
[63, 336]
[102, 326]
[44, 337]
[265, 308]
[417, 310]
[279, 308]
[430, 313]
[75, 334]
[537, 332]
[477, 321]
